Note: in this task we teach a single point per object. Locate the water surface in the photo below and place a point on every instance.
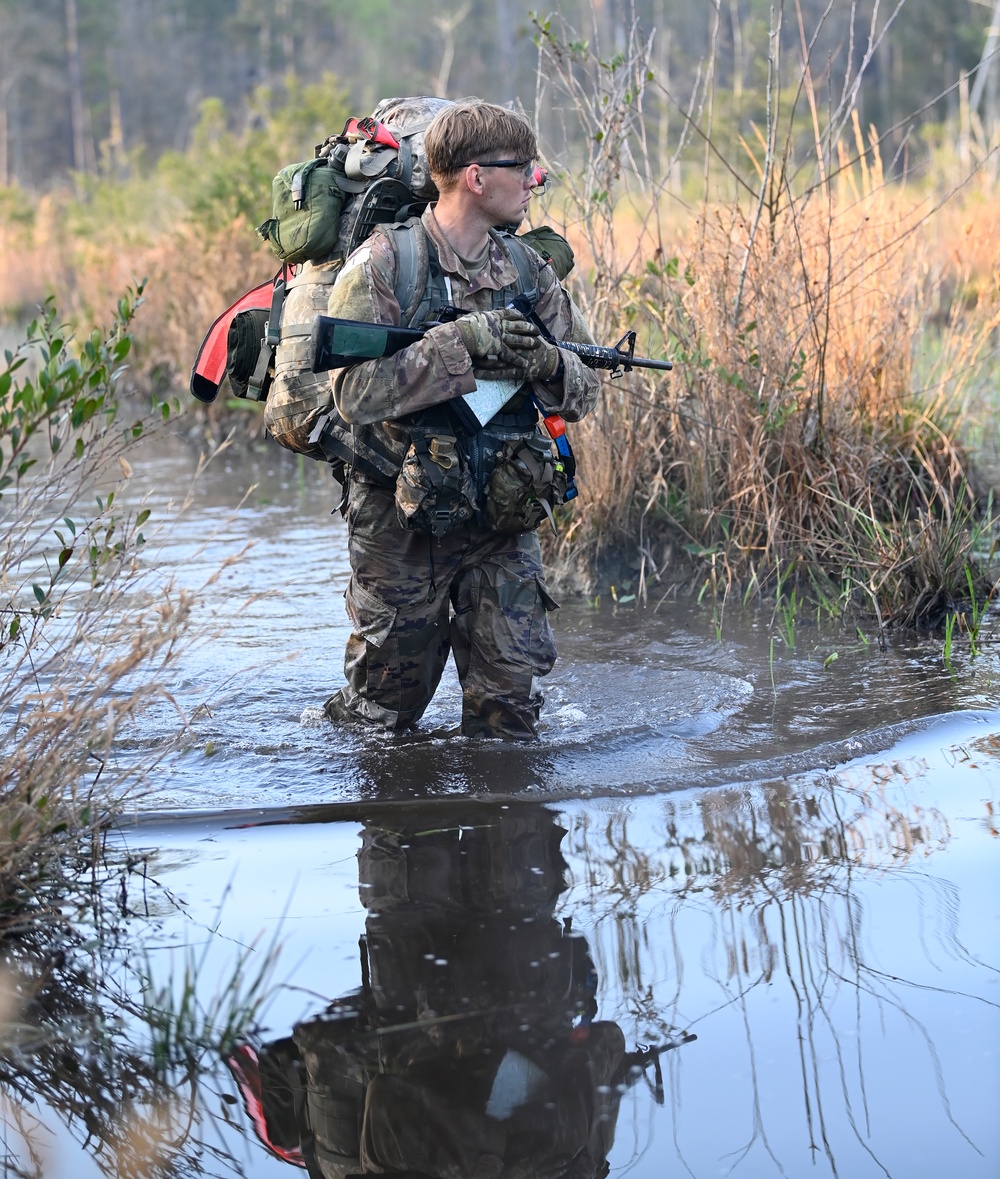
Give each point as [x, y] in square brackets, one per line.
[735, 913]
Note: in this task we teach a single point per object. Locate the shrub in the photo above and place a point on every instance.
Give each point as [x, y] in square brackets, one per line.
[80, 649]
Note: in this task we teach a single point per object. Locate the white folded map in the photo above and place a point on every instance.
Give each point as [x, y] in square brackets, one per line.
[490, 396]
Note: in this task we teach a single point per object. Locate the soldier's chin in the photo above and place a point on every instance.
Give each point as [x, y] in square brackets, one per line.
[513, 223]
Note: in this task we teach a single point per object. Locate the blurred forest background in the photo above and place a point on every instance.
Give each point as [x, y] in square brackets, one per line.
[92, 85]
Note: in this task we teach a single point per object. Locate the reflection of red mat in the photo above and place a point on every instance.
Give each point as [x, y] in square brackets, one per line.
[244, 1066]
[210, 363]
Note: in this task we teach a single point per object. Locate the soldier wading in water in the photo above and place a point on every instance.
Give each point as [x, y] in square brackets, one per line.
[448, 558]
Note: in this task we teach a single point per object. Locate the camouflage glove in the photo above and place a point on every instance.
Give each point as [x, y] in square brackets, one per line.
[498, 336]
[538, 358]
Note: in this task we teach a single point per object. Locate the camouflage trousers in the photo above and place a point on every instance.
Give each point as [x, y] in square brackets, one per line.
[414, 598]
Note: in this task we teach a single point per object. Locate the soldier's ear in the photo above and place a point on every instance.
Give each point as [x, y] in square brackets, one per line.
[472, 178]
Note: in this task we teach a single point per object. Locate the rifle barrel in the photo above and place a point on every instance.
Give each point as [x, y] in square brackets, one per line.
[598, 356]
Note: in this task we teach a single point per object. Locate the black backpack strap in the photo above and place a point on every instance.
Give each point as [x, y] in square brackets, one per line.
[527, 283]
[420, 287]
[260, 380]
[357, 447]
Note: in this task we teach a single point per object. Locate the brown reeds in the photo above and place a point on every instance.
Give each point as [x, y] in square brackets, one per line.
[824, 347]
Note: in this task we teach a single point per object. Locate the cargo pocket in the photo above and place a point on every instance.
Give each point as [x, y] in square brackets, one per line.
[371, 616]
[542, 647]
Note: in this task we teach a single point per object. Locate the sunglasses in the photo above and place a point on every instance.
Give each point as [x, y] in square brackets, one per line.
[528, 169]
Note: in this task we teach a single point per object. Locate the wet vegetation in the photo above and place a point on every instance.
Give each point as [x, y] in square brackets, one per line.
[88, 633]
[812, 437]
[78, 655]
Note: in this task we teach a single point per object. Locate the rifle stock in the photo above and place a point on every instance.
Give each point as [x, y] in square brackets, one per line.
[337, 343]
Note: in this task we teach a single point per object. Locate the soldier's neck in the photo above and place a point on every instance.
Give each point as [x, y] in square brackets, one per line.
[466, 233]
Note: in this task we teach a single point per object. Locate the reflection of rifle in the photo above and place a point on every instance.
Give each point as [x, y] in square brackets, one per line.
[337, 343]
[633, 1064]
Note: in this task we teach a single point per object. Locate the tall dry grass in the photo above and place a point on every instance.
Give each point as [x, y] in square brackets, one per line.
[184, 227]
[808, 434]
[190, 276]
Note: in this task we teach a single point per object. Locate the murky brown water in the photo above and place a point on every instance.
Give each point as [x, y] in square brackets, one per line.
[736, 913]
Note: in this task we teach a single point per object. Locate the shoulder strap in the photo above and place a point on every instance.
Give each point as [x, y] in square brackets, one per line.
[260, 380]
[419, 286]
[526, 280]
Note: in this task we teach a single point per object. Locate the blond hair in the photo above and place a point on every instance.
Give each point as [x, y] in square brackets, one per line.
[473, 131]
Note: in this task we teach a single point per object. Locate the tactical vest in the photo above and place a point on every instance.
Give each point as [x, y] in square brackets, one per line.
[420, 290]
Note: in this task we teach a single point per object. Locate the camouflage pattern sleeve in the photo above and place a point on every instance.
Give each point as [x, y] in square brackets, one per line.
[576, 392]
[435, 369]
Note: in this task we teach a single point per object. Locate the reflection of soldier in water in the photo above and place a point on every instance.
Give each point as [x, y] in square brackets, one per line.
[470, 1051]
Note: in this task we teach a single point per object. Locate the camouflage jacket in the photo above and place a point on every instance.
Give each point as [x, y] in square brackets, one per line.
[437, 368]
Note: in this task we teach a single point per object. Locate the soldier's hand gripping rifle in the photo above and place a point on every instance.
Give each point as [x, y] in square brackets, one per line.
[337, 343]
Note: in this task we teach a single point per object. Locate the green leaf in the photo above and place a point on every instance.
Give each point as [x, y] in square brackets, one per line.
[39, 593]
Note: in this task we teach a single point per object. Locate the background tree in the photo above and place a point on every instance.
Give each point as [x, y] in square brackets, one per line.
[128, 85]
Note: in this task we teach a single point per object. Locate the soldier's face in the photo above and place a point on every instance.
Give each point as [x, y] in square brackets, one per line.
[507, 189]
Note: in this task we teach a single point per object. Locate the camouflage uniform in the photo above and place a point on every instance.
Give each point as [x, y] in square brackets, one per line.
[413, 597]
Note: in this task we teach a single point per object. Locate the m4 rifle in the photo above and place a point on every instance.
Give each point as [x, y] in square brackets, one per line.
[338, 343]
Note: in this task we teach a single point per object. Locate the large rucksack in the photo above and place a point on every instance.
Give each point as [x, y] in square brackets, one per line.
[374, 172]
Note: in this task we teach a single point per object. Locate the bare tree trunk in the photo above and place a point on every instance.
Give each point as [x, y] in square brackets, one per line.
[505, 43]
[116, 131]
[75, 79]
[4, 170]
[987, 69]
[448, 25]
[286, 37]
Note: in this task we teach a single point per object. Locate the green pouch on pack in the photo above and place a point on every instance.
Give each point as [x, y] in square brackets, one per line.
[306, 204]
[553, 247]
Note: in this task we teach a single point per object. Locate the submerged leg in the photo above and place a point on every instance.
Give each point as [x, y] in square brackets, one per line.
[397, 601]
[501, 637]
